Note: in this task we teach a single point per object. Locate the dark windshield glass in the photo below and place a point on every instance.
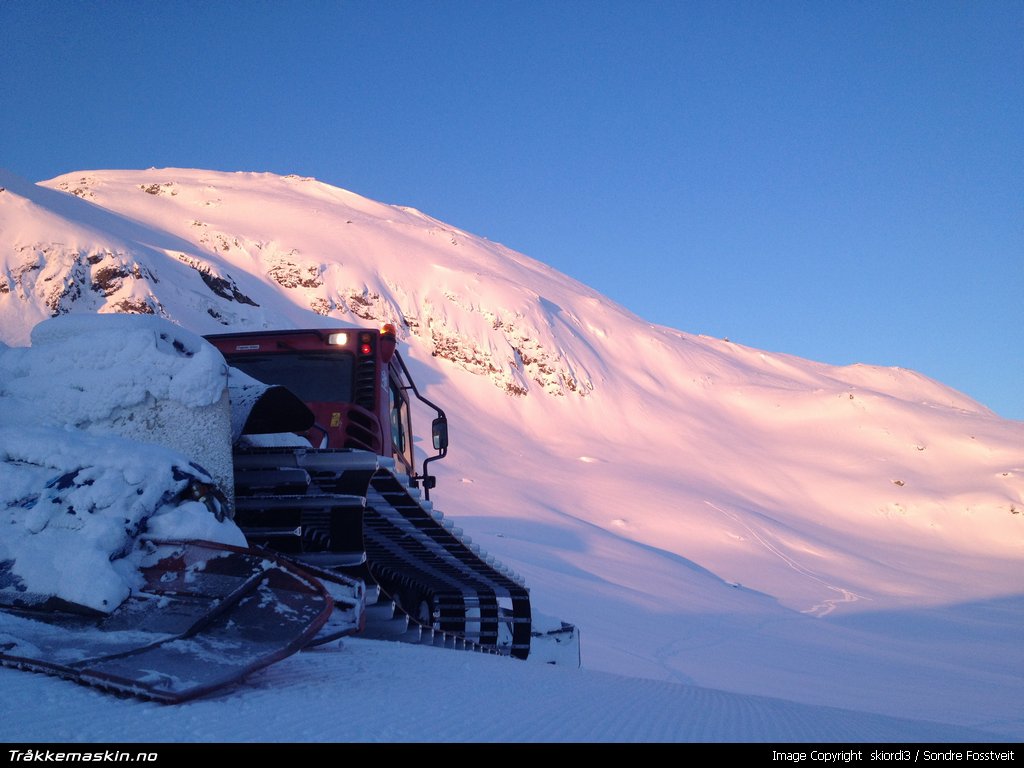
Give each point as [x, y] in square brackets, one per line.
[313, 376]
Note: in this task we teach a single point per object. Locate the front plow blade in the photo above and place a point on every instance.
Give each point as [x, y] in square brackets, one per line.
[207, 616]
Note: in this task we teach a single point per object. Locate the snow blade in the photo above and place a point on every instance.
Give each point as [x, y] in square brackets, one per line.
[349, 597]
[207, 616]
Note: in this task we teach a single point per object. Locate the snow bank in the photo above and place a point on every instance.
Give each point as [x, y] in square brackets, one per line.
[106, 423]
[140, 377]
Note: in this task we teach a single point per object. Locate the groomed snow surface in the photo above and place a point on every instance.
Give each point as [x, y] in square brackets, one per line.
[376, 691]
[755, 547]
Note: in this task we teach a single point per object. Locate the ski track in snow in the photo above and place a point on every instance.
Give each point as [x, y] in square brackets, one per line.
[823, 608]
[376, 691]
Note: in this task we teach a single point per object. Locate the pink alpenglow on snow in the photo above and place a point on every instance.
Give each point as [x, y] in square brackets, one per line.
[755, 547]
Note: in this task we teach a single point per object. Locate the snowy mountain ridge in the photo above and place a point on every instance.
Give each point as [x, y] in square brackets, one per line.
[490, 310]
[699, 508]
[332, 276]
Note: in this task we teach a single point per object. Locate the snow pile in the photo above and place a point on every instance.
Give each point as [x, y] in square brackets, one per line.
[103, 423]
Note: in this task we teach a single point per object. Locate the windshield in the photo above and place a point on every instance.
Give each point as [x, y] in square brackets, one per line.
[313, 376]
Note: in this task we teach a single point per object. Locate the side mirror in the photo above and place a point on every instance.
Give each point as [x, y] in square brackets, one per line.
[439, 430]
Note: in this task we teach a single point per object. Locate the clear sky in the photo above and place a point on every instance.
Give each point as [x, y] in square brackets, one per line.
[843, 181]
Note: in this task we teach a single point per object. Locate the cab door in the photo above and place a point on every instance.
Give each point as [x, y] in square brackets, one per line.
[401, 425]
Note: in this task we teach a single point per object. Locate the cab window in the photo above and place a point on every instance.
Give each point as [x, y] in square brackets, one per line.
[401, 439]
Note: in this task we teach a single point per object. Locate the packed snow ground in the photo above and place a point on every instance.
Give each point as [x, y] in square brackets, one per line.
[755, 547]
[377, 691]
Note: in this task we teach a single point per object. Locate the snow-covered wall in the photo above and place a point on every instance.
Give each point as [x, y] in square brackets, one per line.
[137, 376]
[112, 430]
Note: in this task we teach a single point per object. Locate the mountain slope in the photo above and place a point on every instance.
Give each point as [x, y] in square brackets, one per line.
[725, 504]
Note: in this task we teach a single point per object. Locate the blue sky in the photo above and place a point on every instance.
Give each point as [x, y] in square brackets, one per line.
[843, 181]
